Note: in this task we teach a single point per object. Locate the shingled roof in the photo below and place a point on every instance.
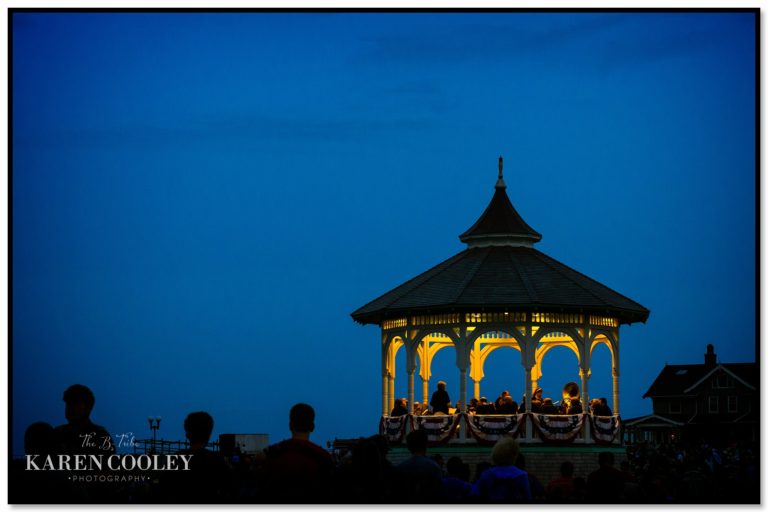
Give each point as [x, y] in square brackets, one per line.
[509, 278]
[500, 270]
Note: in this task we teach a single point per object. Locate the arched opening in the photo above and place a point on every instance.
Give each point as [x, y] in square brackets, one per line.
[442, 367]
[601, 364]
[558, 365]
[495, 366]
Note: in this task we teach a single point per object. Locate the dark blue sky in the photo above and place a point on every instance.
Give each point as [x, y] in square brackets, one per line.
[200, 200]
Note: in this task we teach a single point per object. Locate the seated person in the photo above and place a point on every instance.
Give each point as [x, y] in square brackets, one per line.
[399, 409]
[473, 403]
[416, 409]
[484, 407]
[603, 408]
[500, 399]
[508, 406]
[574, 407]
[536, 403]
[547, 407]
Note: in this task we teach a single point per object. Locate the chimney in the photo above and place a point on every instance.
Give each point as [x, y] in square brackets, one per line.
[710, 358]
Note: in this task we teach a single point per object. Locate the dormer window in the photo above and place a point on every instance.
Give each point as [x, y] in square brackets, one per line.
[722, 380]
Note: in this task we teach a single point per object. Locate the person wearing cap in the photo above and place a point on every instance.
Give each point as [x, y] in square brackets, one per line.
[484, 407]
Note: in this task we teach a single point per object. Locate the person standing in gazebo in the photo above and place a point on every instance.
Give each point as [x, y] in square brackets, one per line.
[440, 399]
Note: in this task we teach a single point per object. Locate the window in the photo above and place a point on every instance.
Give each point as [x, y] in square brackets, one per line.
[675, 407]
[713, 404]
[733, 404]
[721, 380]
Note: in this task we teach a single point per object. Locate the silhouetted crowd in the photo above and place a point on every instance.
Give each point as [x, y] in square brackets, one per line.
[297, 470]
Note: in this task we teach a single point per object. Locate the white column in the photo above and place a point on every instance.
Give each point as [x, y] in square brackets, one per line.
[528, 397]
[615, 391]
[463, 388]
[410, 391]
[463, 350]
[477, 389]
[463, 398]
[584, 374]
[384, 395]
[425, 393]
[391, 404]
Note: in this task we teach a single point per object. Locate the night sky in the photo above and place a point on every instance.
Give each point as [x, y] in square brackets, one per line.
[199, 201]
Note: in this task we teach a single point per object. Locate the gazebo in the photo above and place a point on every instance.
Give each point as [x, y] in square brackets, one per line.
[498, 292]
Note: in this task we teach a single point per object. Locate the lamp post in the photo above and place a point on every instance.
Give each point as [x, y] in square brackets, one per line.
[154, 424]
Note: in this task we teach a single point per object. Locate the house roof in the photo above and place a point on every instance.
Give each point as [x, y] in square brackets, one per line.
[501, 278]
[681, 379]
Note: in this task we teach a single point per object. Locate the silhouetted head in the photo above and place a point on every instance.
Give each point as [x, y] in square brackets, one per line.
[604, 401]
[605, 459]
[417, 442]
[566, 468]
[198, 427]
[455, 467]
[537, 394]
[381, 443]
[505, 452]
[38, 439]
[400, 402]
[441, 385]
[366, 458]
[302, 418]
[79, 402]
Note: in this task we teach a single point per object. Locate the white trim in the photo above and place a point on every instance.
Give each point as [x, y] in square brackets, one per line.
[636, 421]
[726, 370]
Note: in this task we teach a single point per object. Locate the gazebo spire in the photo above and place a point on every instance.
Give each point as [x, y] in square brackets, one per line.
[500, 182]
[500, 224]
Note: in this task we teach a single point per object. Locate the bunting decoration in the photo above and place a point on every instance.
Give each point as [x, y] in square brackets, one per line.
[605, 428]
[393, 428]
[488, 429]
[560, 428]
[439, 429]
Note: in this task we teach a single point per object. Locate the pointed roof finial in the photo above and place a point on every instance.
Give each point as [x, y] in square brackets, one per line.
[500, 182]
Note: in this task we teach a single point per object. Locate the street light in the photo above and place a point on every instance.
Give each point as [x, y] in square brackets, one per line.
[154, 424]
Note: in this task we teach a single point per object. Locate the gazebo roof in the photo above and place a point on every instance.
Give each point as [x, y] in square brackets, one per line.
[500, 270]
[499, 278]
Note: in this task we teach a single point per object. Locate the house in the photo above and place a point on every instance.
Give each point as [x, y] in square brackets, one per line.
[717, 402]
